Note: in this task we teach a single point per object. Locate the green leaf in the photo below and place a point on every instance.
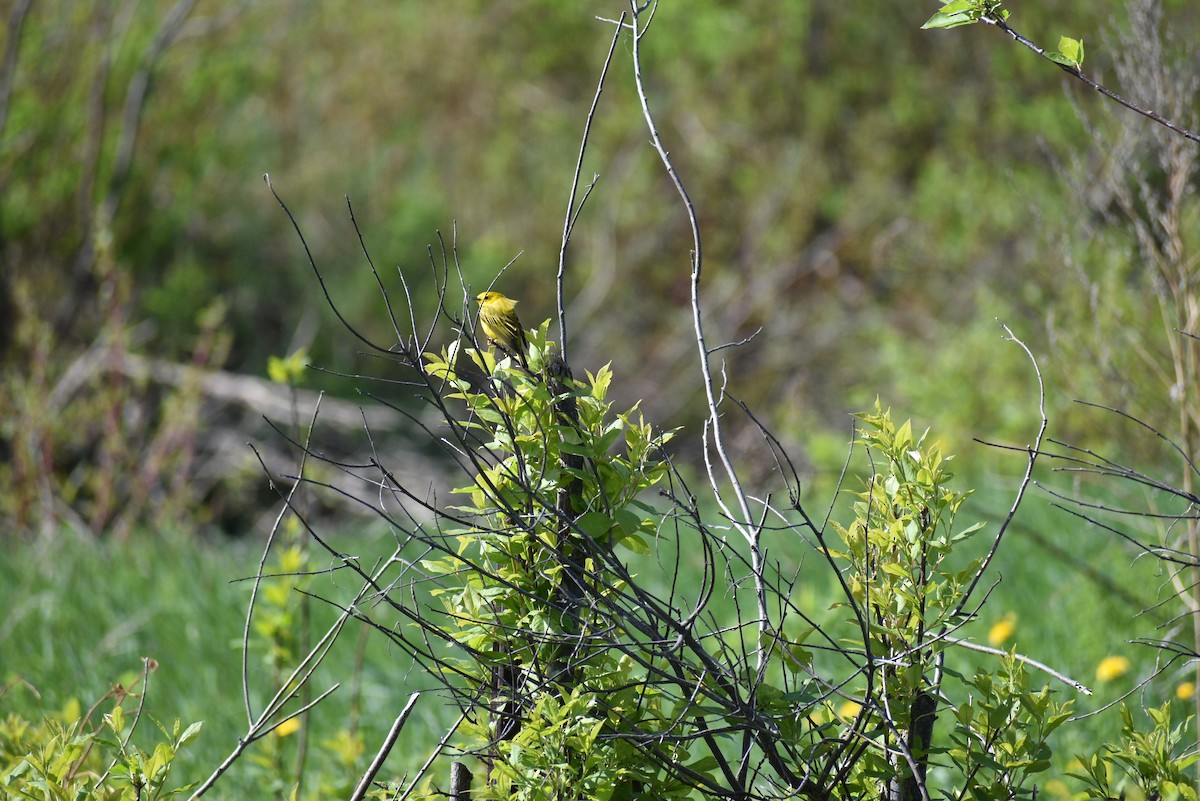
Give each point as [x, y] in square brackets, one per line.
[116, 720]
[289, 370]
[191, 732]
[1069, 54]
[600, 381]
[596, 525]
[1071, 49]
[952, 15]
[629, 522]
[797, 658]
[636, 544]
[609, 438]
[704, 765]
[968, 531]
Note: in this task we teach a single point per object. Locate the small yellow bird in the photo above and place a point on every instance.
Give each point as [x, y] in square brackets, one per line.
[498, 316]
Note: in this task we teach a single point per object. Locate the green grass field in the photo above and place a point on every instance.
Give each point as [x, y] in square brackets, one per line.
[80, 615]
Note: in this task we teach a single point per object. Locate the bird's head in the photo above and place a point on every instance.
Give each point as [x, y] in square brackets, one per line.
[489, 297]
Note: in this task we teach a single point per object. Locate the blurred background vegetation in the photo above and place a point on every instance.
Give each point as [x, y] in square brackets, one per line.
[873, 199]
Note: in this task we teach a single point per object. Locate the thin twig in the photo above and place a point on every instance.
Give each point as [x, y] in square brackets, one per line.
[997, 21]
[258, 575]
[1032, 452]
[572, 211]
[432, 756]
[1025, 660]
[364, 783]
[743, 522]
[148, 667]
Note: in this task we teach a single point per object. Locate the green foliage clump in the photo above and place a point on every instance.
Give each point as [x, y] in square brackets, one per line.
[898, 545]
[561, 488]
[1000, 736]
[908, 589]
[569, 692]
[1155, 761]
[67, 757]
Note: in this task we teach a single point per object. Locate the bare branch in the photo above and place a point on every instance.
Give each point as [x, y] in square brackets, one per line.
[743, 522]
[994, 18]
[1032, 452]
[1024, 660]
[364, 784]
[573, 211]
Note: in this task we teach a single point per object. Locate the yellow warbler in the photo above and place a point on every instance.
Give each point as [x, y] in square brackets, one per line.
[498, 316]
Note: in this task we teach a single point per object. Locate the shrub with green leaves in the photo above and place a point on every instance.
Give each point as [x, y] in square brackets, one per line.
[1155, 761]
[67, 757]
[530, 583]
[576, 671]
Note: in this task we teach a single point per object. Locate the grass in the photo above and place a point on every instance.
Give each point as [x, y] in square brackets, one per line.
[81, 614]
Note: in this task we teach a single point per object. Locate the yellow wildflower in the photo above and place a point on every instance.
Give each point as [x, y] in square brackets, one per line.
[1003, 629]
[287, 727]
[1057, 788]
[1111, 667]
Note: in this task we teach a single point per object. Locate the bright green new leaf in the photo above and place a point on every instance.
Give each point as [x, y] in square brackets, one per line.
[636, 544]
[1071, 48]
[116, 720]
[942, 19]
[289, 370]
[190, 733]
[1069, 54]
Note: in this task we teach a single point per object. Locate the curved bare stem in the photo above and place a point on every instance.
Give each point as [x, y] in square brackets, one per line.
[742, 520]
[1032, 452]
